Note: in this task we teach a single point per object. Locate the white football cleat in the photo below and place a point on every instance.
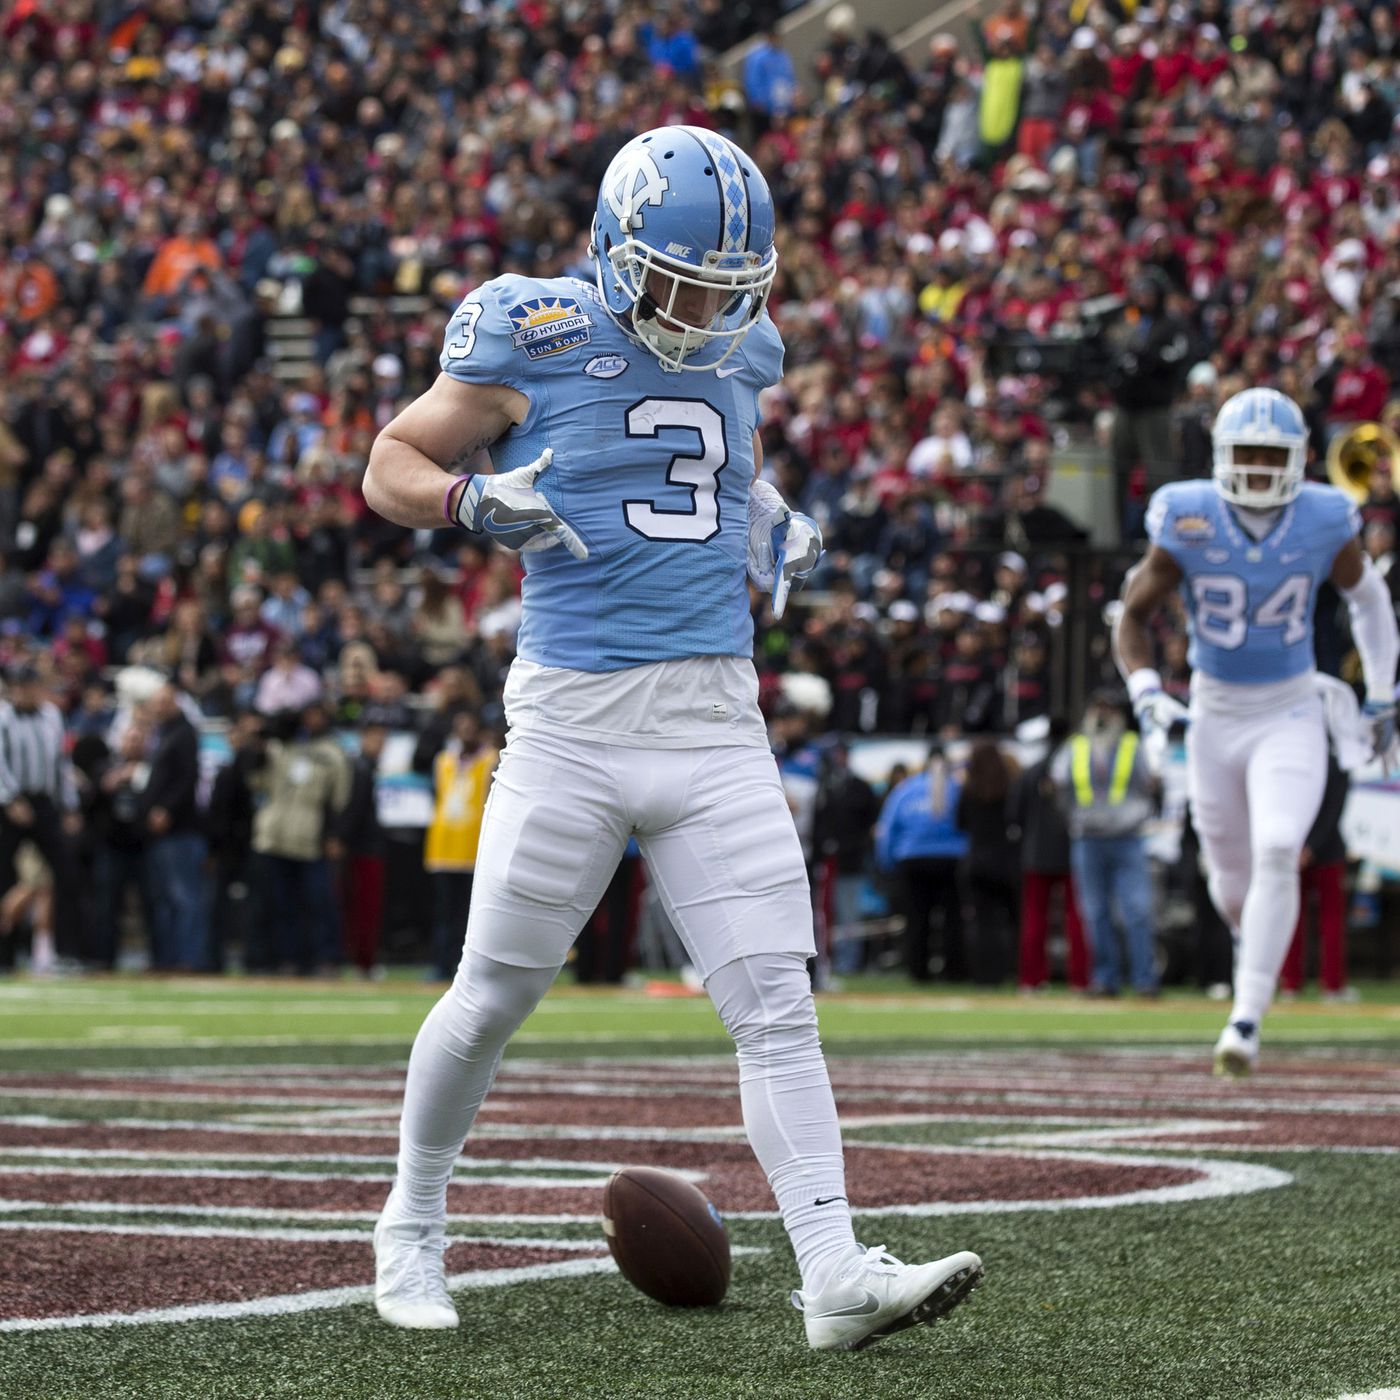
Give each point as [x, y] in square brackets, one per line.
[1237, 1050]
[875, 1295]
[410, 1283]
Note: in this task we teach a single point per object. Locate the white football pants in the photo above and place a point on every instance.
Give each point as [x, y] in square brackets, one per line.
[719, 841]
[1256, 783]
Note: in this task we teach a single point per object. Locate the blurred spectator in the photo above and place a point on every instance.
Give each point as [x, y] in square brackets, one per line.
[228, 826]
[1107, 795]
[38, 795]
[983, 813]
[847, 809]
[461, 780]
[918, 843]
[175, 845]
[120, 836]
[1322, 871]
[288, 684]
[770, 80]
[1149, 369]
[363, 843]
[299, 791]
[1045, 867]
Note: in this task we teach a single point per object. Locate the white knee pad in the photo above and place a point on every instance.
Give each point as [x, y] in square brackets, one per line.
[486, 1003]
[1276, 860]
[765, 1002]
[1227, 892]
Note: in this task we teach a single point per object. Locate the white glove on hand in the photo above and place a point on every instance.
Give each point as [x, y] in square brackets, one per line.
[1158, 710]
[512, 512]
[1378, 716]
[1156, 713]
[784, 547]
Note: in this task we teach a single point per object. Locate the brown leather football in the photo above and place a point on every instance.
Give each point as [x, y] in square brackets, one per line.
[667, 1238]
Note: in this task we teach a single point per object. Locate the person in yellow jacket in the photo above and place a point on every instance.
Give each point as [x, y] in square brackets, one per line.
[461, 779]
[1108, 792]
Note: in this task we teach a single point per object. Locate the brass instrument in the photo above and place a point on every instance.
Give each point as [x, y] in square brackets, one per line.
[1354, 453]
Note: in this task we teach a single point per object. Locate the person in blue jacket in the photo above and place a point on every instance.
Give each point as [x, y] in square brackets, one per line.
[917, 841]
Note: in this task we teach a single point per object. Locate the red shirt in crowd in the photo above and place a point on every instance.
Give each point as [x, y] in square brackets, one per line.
[1359, 393]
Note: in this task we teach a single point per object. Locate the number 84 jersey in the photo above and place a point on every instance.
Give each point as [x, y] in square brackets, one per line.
[651, 467]
[1249, 603]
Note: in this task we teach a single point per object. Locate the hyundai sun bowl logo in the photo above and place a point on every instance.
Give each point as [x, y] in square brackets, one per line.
[549, 326]
[605, 366]
[1194, 527]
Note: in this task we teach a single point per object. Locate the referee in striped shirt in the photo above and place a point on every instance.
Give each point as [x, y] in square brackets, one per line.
[38, 794]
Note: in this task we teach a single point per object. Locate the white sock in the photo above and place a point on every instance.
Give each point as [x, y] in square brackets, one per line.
[41, 956]
[1266, 929]
[789, 1111]
[454, 1061]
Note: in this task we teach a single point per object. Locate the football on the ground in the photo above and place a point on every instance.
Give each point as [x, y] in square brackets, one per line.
[667, 1238]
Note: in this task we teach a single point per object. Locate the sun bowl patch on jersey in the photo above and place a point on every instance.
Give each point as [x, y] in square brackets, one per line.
[1191, 528]
[549, 326]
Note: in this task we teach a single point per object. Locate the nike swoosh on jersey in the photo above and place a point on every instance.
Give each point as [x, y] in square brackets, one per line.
[723, 373]
[1291, 556]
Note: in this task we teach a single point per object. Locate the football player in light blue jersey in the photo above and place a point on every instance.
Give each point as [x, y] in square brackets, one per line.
[1248, 553]
[622, 422]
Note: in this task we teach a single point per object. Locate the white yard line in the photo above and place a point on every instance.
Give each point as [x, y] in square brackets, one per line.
[286, 1235]
[175, 1173]
[285, 1303]
[78, 1155]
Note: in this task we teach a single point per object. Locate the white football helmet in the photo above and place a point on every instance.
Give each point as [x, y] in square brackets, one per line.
[684, 218]
[1259, 418]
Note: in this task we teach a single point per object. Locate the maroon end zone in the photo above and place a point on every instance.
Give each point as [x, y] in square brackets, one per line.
[560, 1131]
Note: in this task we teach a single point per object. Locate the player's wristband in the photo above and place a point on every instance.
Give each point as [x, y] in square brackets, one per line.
[449, 514]
[1143, 682]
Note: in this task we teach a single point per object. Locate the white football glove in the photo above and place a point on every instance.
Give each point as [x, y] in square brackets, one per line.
[514, 513]
[1157, 713]
[784, 547]
[1378, 717]
[1158, 710]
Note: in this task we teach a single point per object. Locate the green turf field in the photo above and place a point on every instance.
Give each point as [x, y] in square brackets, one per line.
[1277, 1277]
[875, 1011]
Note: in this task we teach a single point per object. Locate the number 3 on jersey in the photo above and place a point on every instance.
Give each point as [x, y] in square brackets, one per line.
[1221, 601]
[698, 472]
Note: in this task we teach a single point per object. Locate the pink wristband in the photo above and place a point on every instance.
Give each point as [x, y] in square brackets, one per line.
[447, 499]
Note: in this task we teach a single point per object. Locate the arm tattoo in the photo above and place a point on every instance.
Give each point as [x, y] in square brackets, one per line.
[463, 460]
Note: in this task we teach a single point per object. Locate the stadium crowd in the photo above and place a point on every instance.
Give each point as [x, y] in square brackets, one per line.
[1095, 229]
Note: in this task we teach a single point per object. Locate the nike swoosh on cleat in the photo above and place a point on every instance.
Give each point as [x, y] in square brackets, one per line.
[869, 1305]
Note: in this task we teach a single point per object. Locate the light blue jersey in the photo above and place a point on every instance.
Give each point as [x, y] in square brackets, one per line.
[651, 468]
[1249, 604]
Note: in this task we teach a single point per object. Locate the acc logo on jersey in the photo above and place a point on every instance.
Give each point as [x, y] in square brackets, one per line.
[549, 326]
[605, 366]
[636, 182]
[1193, 527]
